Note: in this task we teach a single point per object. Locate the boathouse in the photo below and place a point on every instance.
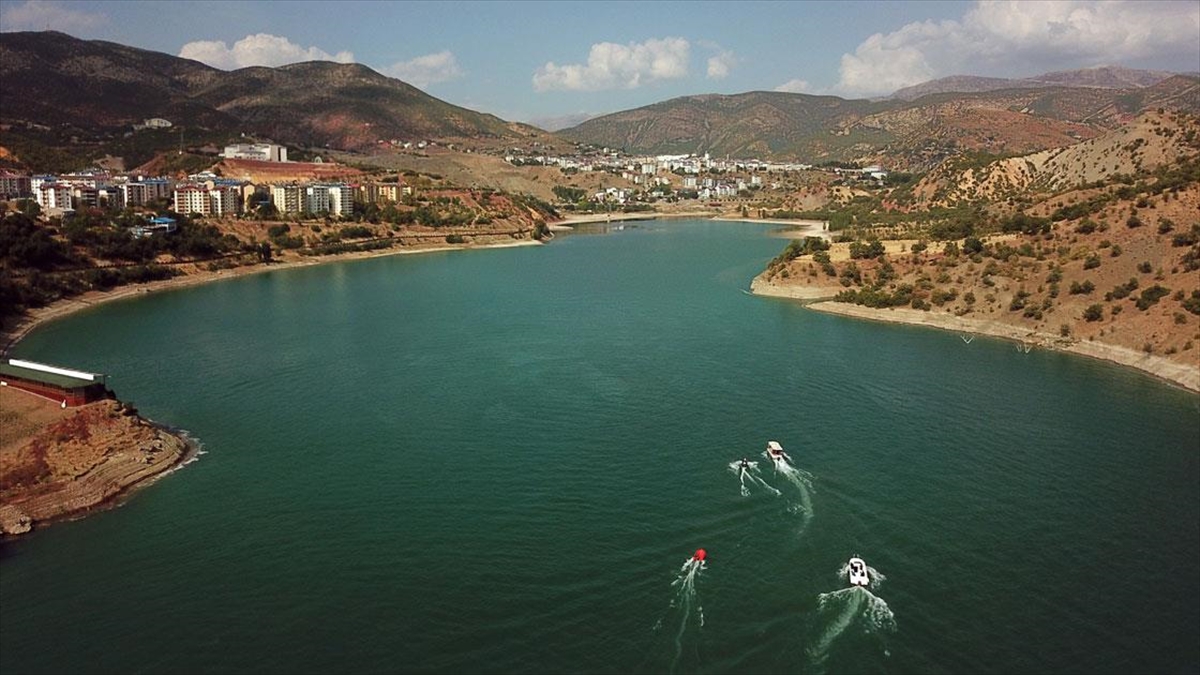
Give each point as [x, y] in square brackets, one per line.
[70, 387]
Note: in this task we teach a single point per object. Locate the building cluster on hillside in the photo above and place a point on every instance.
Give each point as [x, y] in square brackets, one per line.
[205, 194]
[658, 175]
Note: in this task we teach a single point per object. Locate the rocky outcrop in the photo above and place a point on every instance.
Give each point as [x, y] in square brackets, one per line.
[85, 460]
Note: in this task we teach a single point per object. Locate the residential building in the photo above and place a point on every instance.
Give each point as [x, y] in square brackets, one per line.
[341, 199]
[287, 198]
[316, 199]
[224, 200]
[13, 185]
[142, 192]
[54, 196]
[192, 199]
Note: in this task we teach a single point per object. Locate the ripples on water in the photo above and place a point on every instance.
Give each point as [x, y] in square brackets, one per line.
[488, 462]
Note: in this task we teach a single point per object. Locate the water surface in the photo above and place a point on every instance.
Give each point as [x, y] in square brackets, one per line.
[499, 461]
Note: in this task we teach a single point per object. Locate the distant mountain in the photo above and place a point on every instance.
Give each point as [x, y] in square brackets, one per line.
[910, 135]
[559, 122]
[1104, 77]
[758, 123]
[96, 90]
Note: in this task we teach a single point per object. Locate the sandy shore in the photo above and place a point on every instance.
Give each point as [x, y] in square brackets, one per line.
[566, 223]
[797, 228]
[1176, 373]
[10, 335]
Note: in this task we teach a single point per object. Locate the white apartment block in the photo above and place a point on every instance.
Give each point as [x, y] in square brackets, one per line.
[224, 200]
[263, 152]
[53, 196]
[140, 193]
[36, 182]
[287, 198]
[14, 184]
[192, 199]
[341, 199]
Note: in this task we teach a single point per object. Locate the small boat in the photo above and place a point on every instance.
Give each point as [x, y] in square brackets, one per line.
[858, 572]
[776, 453]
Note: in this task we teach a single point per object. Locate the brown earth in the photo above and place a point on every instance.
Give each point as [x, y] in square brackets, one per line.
[274, 172]
[59, 463]
[987, 290]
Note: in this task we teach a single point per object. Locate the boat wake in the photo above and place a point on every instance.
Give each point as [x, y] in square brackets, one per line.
[840, 611]
[801, 480]
[749, 474]
[685, 605]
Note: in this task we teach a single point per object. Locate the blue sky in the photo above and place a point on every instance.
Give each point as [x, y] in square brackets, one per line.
[534, 61]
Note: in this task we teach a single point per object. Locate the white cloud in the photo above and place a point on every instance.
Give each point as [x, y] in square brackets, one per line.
[720, 65]
[614, 66]
[796, 86]
[426, 70]
[40, 15]
[1022, 38]
[261, 49]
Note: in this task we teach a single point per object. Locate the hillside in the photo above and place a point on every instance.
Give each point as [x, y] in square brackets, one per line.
[1152, 141]
[906, 135]
[1108, 77]
[68, 101]
[762, 123]
[1093, 248]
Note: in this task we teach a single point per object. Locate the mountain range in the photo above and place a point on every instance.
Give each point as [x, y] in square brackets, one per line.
[67, 100]
[1101, 77]
[96, 90]
[910, 134]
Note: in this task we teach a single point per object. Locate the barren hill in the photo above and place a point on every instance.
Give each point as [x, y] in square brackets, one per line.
[910, 135]
[1152, 141]
[69, 100]
[1108, 77]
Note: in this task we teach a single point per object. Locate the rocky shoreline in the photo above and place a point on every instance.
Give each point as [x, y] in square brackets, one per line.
[820, 299]
[77, 461]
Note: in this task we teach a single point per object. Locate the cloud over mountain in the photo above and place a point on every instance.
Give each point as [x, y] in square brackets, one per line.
[261, 49]
[426, 70]
[614, 66]
[1004, 37]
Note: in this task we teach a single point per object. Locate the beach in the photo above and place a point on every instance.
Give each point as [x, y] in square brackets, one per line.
[567, 222]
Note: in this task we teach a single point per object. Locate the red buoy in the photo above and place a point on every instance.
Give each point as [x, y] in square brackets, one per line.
[699, 555]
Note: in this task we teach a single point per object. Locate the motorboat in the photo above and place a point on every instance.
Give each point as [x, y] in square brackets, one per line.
[857, 572]
[776, 453]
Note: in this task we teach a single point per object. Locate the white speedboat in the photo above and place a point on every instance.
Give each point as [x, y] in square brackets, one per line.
[857, 572]
[776, 453]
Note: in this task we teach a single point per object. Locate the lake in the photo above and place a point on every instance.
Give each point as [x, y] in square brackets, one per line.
[502, 460]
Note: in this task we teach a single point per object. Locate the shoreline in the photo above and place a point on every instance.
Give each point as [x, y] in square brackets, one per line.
[820, 299]
[12, 334]
[567, 222]
[795, 228]
[145, 452]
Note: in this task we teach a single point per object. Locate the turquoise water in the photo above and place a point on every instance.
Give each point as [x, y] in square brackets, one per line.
[500, 461]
